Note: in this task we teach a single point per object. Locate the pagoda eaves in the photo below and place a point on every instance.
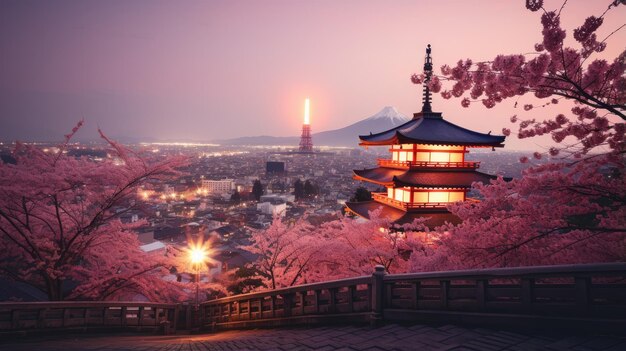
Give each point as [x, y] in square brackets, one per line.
[430, 128]
[446, 178]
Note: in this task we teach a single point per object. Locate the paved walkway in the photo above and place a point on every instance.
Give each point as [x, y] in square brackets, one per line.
[347, 338]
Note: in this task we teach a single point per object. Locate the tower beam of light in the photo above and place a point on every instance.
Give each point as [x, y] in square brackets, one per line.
[306, 111]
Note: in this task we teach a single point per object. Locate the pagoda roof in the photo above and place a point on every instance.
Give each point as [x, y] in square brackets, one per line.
[423, 178]
[435, 217]
[431, 128]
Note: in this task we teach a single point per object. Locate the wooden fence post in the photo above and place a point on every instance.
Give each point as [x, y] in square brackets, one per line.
[287, 304]
[378, 290]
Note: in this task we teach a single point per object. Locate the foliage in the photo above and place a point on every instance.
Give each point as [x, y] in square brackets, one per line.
[310, 189]
[60, 230]
[361, 194]
[567, 211]
[236, 197]
[296, 252]
[298, 189]
[257, 190]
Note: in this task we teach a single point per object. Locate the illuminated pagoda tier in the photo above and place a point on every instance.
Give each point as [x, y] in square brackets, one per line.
[427, 169]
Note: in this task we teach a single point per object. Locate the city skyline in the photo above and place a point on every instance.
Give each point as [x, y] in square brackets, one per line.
[204, 70]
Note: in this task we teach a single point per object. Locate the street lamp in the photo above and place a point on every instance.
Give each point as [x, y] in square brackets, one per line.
[198, 256]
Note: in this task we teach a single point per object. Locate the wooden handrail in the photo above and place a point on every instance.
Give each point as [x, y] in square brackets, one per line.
[293, 289]
[593, 292]
[59, 315]
[517, 272]
[383, 198]
[426, 164]
[574, 294]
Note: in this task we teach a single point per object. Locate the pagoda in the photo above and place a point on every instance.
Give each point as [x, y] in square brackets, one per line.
[427, 170]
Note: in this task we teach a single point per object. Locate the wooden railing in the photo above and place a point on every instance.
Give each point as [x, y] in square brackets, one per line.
[587, 296]
[343, 300]
[425, 164]
[139, 316]
[383, 198]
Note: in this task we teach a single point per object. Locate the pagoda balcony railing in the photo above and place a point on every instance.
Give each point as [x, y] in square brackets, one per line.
[383, 198]
[425, 164]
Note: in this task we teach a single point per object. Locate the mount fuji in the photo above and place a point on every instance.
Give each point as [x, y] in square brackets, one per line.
[386, 118]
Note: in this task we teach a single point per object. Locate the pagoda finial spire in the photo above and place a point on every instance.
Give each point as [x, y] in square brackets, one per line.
[428, 71]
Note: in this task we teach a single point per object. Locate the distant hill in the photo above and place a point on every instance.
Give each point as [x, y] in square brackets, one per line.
[385, 119]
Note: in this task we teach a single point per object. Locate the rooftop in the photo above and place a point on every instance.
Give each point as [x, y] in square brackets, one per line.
[431, 128]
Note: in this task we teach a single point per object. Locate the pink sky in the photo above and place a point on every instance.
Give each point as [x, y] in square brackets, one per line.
[202, 70]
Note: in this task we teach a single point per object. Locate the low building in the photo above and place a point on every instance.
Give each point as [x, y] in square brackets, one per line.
[218, 186]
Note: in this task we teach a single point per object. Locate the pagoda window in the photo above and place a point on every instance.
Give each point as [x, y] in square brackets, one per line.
[402, 156]
[420, 196]
[439, 157]
[456, 157]
[456, 196]
[438, 196]
[398, 194]
[422, 156]
[406, 197]
[446, 196]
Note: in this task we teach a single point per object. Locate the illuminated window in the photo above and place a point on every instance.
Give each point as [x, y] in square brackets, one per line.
[402, 156]
[399, 194]
[407, 196]
[456, 157]
[456, 196]
[390, 193]
[422, 156]
[394, 156]
[438, 196]
[420, 196]
[440, 157]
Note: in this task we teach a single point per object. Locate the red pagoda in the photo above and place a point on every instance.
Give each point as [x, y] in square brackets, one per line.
[427, 170]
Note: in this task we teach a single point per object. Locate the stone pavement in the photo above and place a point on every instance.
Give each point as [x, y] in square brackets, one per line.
[346, 338]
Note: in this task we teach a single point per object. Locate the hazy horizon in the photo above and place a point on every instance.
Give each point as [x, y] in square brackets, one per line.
[211, 70]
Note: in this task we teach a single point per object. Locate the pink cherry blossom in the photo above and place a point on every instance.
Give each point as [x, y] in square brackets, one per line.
[61, 232]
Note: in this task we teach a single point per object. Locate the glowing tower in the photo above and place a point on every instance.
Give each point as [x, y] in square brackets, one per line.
[306, 143]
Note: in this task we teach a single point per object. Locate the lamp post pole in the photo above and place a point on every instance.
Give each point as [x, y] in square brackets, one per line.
[197, 284]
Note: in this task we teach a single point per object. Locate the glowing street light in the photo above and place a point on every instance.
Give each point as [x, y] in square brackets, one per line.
[198, 255]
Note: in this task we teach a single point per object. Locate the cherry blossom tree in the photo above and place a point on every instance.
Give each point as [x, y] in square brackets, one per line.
[296, 252]
[285, 250]
[573, 208]
[60, 228]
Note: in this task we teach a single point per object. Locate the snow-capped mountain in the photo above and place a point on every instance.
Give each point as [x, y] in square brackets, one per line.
[391, 113]
[386, 118]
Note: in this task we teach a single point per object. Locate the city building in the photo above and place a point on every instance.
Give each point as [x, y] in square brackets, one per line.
[275, 167]
[218, 186]
[427, 170]
[272, 208]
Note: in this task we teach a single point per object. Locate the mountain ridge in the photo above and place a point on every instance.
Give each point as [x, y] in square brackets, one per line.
[387, 118]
